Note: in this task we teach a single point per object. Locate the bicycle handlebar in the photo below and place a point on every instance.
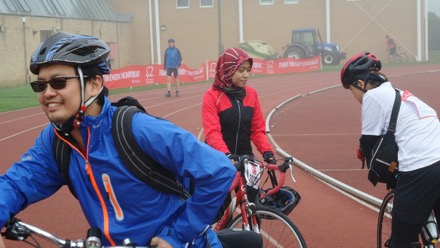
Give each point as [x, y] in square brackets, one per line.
[287, 163]
[19, 231]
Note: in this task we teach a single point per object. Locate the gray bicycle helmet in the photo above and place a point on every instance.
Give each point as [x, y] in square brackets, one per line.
[70, 49]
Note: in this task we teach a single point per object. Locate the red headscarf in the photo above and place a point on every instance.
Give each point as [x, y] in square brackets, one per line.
[227, 64]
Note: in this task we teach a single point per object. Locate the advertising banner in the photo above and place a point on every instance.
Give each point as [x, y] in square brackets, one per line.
[132, 76]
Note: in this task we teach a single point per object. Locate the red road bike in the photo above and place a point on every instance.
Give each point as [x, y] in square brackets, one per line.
[262, 215]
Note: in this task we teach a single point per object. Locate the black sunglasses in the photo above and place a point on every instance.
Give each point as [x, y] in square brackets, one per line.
[57, 83]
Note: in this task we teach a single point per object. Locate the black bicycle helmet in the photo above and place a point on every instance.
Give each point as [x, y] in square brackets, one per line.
[284, 200]
[70, 49]
[359, 66]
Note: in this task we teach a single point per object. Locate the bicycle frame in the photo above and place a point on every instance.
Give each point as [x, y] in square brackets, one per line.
[428, 234]
[246, 207]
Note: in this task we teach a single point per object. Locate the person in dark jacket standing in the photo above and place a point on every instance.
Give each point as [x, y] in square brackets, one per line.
[231, 112]
[172, 60]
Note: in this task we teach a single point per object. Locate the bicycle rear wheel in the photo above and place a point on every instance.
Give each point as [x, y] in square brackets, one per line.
[384, 221]
[276, 228]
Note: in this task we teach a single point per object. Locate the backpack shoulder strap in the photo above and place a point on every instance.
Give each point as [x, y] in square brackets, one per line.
[395, 112]
[135, 159]
[62, 155]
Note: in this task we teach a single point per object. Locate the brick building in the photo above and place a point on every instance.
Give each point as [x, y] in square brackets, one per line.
[138, 30]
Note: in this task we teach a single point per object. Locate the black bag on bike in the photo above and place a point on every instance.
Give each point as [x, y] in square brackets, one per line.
[384, 163]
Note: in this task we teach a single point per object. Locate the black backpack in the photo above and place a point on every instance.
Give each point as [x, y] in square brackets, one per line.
[133, 157]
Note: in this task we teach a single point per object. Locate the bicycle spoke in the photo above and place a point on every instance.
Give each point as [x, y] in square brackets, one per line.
[276, 229]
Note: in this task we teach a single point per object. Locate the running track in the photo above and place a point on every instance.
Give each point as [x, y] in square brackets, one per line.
[321, 130]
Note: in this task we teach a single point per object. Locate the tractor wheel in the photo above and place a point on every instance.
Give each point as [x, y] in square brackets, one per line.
[295, 53]
[330, 59]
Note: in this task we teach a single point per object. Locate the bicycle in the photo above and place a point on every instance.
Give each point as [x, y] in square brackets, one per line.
[21, 231]
[428, 235]
[276, 229]
[398, 56]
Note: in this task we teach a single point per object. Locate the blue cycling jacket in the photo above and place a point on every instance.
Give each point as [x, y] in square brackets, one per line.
[173, 58]
[115, 200]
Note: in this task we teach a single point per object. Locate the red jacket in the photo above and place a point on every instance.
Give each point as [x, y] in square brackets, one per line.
[230, 124]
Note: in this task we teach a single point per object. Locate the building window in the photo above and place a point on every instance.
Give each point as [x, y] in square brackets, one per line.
[291, 1]
[182, 4]
[266, 2]
[206, 4]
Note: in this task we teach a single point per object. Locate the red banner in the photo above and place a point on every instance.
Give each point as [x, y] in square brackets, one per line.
[132, 76]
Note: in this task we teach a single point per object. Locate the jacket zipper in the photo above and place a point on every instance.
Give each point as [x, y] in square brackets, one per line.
[239, 124]
[112, 196]
[89, 171]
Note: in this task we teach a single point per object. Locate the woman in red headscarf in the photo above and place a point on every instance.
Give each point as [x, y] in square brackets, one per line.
[231, 111]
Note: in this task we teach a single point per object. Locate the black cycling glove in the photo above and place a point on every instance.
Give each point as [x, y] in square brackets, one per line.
[234, 158]
[269, 157]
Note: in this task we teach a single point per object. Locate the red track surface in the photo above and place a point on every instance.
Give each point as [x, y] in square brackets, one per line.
[320, 129]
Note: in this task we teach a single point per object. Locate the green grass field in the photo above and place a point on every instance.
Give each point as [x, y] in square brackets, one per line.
[23, 97]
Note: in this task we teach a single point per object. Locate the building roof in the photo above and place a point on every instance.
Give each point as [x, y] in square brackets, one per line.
[76, 9]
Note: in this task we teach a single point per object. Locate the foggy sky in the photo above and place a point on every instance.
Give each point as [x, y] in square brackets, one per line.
[434, 6]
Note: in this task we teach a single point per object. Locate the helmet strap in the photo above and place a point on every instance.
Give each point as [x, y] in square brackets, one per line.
[76, 119]
[84, 104]
[359, 87]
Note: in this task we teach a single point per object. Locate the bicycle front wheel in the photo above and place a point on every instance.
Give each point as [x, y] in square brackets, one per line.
[403, 57]
[384, 221]
[276, 228]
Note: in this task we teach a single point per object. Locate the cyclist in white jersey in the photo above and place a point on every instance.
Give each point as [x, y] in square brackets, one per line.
[417, 136]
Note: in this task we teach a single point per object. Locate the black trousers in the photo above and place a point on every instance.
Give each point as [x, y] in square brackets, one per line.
[417, 193]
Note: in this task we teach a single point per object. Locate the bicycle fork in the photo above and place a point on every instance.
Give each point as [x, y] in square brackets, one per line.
[248, 208]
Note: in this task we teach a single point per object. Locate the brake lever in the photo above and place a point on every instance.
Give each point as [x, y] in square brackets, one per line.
[291, 172]
[15, 231]
[288, 164]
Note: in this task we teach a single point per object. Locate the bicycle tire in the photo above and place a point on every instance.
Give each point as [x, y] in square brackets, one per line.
[274, 228]
[384, 224]
[384, 221]
[403, 57]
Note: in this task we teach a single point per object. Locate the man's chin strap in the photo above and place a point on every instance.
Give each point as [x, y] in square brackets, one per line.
[76, 120]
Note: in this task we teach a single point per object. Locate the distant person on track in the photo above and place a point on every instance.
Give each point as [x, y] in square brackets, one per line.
[231, 112]
[391, 46]
[172, 62]
[418, 138]
[70, 89]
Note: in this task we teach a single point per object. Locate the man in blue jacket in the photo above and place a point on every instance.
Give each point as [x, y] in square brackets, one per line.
[172, 61]
[71, 92]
